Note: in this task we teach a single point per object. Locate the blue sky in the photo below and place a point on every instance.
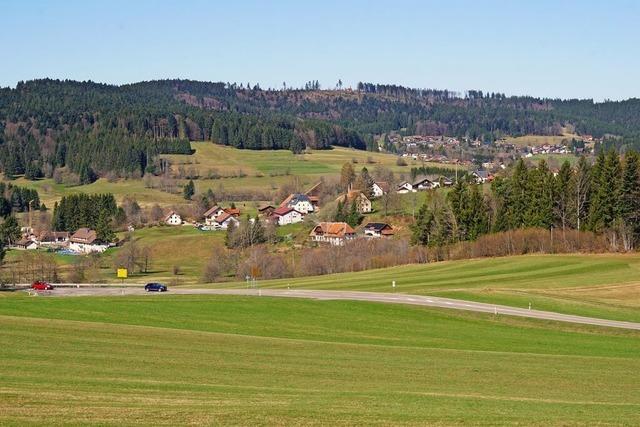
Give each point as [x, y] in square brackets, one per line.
[585, 49]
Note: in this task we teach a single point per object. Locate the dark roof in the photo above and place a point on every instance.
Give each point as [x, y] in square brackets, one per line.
[377, 226]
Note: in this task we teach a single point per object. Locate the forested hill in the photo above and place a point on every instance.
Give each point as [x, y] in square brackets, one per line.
[91, 129]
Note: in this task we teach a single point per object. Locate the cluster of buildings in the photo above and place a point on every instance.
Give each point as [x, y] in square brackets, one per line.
[83, 241]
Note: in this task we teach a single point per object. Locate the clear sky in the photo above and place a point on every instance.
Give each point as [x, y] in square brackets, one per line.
[584, 49]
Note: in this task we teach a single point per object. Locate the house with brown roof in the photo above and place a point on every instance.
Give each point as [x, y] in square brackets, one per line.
[53, 238]
[266, 210]
[211, 214]
[224, 221]
[173, 218]
[363, 204]
[25, 244]
[314, 194]
[333, 233]
[378, 229]
[285, 215]
[85, 241]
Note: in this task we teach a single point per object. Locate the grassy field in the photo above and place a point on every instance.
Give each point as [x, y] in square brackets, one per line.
[605, 286]
[169, 360]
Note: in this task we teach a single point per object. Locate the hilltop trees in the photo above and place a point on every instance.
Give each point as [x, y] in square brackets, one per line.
[94, 211]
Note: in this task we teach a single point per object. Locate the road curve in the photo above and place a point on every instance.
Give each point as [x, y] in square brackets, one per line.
[426, 301]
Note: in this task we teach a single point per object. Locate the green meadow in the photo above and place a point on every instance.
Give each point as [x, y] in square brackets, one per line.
[604, 285]
[174, 360]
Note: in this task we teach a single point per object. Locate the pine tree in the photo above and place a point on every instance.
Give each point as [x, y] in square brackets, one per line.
[563, 191]
[189, 190]
[347, 176]
[630, 195]
[104, 232]
[10, 230]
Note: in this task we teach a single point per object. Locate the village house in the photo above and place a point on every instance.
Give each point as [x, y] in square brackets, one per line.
[482, 176]
[378, 229]
[299, 202]
[379, 188]
[173, 218]
[224, 221]
[405, 187]
[211, 214]
[25, 244]
[266, 210]
[285, 215]
[363, 204]
[53, 238]
[439, 181]
[334, 233]
[85, 241]
[423, 183]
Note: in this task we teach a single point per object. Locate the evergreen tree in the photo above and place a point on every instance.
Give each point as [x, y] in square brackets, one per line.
[630, 194]
[10, 230]
[189, 190]
[563, 193]
[347, 176]
[104, 232]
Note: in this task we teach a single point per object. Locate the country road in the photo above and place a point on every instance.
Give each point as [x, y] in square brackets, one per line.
[427, 301]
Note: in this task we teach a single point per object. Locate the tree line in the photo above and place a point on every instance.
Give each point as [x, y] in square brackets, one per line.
[603, 197]
[94, 211]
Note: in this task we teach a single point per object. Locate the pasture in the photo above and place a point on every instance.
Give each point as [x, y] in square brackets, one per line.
[168, 360]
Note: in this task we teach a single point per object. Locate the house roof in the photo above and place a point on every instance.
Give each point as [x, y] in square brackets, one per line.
[313, 191]
[24, 242]
[377, 226]
[233, 211]
[211, 211]
[294, 199]
[332, 229]
[84, 235]
[223, 217]
[352, 195]
[283, 210]
[265, 207]
[481, 174]
[384, 186]
[420, 179]
[167, 216]
[50, 236]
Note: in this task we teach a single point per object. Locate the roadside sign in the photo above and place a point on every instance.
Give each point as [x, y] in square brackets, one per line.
[122, 273]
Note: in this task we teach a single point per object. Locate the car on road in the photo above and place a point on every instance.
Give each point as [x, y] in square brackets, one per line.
[41, 285]
[155, 287]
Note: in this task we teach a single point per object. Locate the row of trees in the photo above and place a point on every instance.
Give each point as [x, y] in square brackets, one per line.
[603, 198]
[18, 199]
[95, 211]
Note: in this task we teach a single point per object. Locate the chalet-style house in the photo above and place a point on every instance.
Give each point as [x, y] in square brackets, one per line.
[285, 215]
[173, 218]
[405, 187]
[379, 188]
[85, 241]
[299, 202]
[224, 221]
[482, 176]
[53, 238]
[363, 204]
[25, 244]
[334, 233]
[211, 214]
[423, 183]
[266, 210]
[378, 229]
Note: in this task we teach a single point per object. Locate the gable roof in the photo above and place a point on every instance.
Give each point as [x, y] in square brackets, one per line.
[481, 174]
[351, 196]
[314, 190]
[421, 179]
[84, 235]
[223, 217]
[333, 229]
[283, 210]
[294, 199]
[167, 216]
[212, 210]
[377, 226]
[384, 186]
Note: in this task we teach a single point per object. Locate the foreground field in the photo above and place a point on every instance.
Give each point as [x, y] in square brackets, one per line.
[231, 360]
[606, 286]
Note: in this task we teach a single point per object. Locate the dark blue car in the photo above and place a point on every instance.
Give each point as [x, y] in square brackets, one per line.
[155, 287]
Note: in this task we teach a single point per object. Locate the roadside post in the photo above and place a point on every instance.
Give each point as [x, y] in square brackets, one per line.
[393, 284]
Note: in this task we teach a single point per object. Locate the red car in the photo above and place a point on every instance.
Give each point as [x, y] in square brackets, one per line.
[41, 286]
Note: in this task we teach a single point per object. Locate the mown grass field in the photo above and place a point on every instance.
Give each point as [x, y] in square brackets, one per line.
[173, 360]
[531, 140]
[605, 285]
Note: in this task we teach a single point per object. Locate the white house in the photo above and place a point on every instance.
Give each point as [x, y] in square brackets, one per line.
[379, 188]
[424, 183]
[300, 202]
[378, 229]
[211, 215]
[173, 218]
[224, 221]
[25, 244]
[405, 187]
[482, 176]
[334, 233]
[284, 215]
[85, 241]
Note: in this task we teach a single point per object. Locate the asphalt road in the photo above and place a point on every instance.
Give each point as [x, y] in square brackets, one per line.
[391, 298]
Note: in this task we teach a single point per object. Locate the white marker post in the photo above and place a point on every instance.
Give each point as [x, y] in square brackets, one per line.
[393, 284]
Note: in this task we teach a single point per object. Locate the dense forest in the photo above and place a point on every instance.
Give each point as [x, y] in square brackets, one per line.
[91, 129]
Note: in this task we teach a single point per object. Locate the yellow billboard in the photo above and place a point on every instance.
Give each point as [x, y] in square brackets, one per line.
[122, 273]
